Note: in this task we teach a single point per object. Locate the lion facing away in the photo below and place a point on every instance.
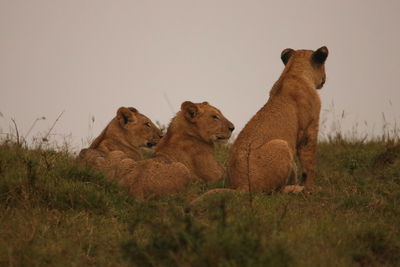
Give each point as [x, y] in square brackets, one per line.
[126, 133]
[262, 157]
[183, 155]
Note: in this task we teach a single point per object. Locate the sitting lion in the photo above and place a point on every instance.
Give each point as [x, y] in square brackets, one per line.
[128, 131]
[262, 157]
[183, 155]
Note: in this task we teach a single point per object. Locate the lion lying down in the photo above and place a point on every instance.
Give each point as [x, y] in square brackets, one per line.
[125, 134]
[183, 155]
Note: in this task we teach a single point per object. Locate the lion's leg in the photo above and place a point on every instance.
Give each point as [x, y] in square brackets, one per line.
[207, 168]
[307, 154]
[292, 189]
[292, 179]
[237, 169]
[271, 166]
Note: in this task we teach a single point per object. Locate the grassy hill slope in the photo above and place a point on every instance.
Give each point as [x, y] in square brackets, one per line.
[55, 211]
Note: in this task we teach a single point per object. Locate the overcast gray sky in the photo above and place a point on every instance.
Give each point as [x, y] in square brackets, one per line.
[91, 57]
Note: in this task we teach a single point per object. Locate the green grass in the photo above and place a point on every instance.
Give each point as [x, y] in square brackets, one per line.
[55, 211]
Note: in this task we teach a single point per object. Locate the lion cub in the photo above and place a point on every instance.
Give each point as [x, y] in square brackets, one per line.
[123, 136]
[183, 155]
[191, 137]
[262, 157]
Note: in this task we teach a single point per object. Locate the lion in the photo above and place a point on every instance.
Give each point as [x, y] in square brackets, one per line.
[184, 154]
[125, 134]
[191, 137]
[262, 157]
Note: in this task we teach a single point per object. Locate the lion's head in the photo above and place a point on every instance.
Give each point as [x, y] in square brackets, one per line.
[137, 129]
[206, 122]
[309, 60]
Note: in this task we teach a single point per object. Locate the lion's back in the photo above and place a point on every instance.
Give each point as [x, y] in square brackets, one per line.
[154, 178]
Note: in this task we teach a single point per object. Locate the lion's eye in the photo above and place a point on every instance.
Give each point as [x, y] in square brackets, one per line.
[215, 117]
[148, 124]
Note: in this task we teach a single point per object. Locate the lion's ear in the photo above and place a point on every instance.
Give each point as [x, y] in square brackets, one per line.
[320, 55]
[133, 109]
[190, 110]
[126, 115]
[286, 54]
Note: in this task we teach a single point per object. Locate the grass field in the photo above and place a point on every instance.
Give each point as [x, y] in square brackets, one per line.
[55, 211]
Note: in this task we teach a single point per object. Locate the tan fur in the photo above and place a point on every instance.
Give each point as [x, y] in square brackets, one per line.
[262, 157]
[183, 155]
[191, 137]
[126, 132]
[146, 179]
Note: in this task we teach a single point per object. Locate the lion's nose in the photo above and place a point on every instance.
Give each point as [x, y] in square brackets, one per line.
[231, 127]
